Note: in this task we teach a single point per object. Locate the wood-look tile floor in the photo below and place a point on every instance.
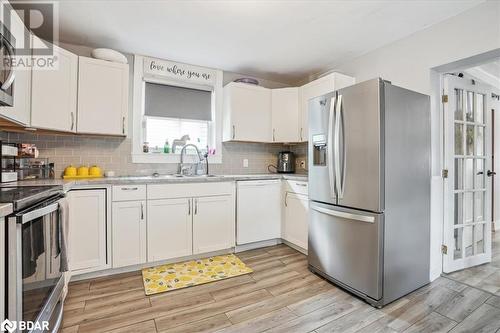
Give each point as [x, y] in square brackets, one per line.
[281, 295]
[485, 277]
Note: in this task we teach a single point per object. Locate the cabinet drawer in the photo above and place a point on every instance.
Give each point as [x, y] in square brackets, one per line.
[129, 192]
[169, 191]
[296, 186]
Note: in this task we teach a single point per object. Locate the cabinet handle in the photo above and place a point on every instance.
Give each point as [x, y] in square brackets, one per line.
[286, 196]
[189, 206]
[301, 133]
[142, 211]
[234, 132]
[129, 188]
[195, 206]
[72, 120]
[299, 184]
[123, 125]
[274, 134]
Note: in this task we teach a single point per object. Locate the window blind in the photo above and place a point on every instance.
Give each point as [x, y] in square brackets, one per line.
[177, 102]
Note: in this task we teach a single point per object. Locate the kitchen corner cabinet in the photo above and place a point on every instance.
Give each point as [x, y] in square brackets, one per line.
[169, 228]
[285, 114]
[247, 113]
[20, 112]
[129, 233]
[87, 232]
[296, 217]
[53, 91]
[321, 86]
[213, 223]
[102, 97]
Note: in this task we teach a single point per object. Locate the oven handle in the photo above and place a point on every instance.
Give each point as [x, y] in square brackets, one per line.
[57, 324]
[34, 214]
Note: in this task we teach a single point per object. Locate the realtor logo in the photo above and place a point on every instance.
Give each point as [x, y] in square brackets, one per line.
[40, 17]
[8, 325]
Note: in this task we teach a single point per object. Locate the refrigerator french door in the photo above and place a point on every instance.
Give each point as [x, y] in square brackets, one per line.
[369, 189]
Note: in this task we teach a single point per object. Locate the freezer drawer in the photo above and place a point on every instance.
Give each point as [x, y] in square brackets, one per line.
[347, 246]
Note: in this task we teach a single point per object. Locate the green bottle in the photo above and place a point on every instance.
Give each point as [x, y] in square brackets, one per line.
[166, 148]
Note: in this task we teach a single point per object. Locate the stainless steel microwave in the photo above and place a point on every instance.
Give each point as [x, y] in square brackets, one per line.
[7, 74]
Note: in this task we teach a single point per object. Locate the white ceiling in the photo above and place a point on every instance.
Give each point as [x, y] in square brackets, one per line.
[283, 41]
[488, 73]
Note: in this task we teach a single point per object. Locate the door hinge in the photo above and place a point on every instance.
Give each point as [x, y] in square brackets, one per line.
[444, 249]
[444, 98]
[445, 173]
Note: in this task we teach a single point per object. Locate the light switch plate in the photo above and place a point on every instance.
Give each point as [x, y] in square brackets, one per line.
[245, 163]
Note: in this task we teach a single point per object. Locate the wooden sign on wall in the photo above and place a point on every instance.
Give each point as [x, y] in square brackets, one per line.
[179, 71]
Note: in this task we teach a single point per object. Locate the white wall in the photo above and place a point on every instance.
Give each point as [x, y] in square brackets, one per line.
[409, 63]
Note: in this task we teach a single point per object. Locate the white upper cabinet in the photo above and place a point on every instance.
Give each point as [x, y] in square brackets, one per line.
[285, 114]
[247, 113]
[321, 86]
[53, 92]
[20, 112]
[102, 97]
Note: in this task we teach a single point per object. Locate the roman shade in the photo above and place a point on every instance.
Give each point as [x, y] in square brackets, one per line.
[177, 102]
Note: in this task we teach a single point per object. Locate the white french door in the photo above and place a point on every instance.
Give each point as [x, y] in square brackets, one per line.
[467, 189]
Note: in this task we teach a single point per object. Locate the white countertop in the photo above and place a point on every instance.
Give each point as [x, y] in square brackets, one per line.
[68, 184]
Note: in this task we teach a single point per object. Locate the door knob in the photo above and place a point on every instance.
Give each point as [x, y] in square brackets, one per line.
[490, 173]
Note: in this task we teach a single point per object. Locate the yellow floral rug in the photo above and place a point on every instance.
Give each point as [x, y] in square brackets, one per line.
[191, 273]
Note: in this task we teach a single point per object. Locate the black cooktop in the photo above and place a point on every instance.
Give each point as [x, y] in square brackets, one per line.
[25, 196]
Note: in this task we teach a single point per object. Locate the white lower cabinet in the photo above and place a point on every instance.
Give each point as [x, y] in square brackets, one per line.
[87, 232]
[169, 228]
[129, 233]
[213, 223]
[296, 217]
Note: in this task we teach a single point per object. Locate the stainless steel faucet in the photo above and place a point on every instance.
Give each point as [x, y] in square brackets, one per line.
[183, 168]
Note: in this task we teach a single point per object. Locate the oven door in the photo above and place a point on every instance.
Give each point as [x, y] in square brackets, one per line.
[35, 281]
[7, 73]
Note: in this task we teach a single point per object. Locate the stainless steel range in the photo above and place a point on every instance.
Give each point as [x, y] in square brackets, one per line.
[34, 279]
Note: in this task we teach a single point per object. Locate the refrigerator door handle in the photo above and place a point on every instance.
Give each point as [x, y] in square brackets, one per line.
[330, 153]
[344, 151]
[336, 148]
[357, 217]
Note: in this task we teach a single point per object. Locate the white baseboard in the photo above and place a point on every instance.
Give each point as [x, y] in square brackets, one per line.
[295, 247]
[257, 245]
[112, 271]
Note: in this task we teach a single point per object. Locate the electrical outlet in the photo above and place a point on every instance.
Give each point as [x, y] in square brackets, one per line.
[245, 163]
[302, 164]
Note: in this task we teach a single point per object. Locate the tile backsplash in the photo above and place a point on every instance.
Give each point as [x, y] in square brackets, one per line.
[115, 154]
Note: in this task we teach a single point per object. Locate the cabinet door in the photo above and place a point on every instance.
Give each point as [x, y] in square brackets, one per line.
[102, 96]
[20, 112]
[285, 114]
[169, 228]
[213, 223]
[296, 219]
[258, 211]
[249, 110]
[87, 232]
[53, 92]
[129, 233]
[321, 86]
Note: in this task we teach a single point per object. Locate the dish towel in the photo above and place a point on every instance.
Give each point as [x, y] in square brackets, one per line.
[64, 233]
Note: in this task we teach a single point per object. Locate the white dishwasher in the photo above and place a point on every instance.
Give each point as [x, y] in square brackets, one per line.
[258, 210]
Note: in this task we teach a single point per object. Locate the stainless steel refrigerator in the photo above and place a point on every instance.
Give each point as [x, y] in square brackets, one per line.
[369, 189]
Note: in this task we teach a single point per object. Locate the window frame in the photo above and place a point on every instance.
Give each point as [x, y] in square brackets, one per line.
[138, 125]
